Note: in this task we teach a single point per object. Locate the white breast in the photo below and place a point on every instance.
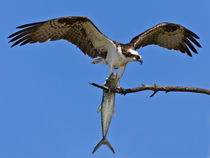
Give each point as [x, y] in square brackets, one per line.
[115, 58]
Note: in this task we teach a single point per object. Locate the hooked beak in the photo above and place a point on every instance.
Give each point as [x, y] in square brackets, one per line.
[140, 60]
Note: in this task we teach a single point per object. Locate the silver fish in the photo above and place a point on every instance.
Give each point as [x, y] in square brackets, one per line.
[107, 109]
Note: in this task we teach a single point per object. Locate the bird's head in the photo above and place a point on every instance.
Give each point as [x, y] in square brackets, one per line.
[135, 56]
[139, 58]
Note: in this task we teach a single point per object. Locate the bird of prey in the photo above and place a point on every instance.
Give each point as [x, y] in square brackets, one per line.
[82, 32]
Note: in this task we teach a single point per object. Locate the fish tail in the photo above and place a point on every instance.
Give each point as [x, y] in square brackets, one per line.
[103, 141]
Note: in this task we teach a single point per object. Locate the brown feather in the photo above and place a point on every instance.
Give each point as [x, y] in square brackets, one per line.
[23, 30]
[186, 49]
[191, 33]
[167, 35]
[19, 41]
[190, 45]
[77, 30]
[193, 40]
[31, 24]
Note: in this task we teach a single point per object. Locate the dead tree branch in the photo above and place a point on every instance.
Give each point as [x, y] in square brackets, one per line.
[155, 88]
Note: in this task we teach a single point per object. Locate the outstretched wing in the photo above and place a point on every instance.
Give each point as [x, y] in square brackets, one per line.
[167, 35]
[77, 30]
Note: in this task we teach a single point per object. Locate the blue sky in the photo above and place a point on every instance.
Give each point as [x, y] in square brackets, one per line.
[48, 109]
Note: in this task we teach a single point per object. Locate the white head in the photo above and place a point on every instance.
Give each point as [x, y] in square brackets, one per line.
[135, 56]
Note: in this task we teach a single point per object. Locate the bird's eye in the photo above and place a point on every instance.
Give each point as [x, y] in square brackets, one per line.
[137, 57]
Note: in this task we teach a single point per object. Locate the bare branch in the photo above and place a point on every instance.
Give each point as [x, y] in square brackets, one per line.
[100, 86]
[155, 88]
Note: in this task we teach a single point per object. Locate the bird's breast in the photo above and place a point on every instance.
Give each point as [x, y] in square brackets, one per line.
[115, 59]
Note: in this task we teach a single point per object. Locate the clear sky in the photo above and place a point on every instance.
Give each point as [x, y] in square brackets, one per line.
[48, 109]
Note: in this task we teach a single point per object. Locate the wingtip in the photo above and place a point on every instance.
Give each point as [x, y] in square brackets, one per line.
[28, 25]
[192, 33]
[190, 55]
[9, 36]
[199, 45]
[19, 27]
[12, 45]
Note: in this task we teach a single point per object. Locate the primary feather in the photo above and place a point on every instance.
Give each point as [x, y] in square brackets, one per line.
[77, 30]
[167, 35]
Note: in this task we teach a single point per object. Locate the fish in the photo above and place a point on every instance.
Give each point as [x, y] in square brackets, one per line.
[107, 109]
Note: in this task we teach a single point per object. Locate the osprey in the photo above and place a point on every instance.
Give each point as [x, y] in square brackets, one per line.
[88, 38]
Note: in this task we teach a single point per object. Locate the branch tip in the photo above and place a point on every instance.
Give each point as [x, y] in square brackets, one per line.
[153, 93]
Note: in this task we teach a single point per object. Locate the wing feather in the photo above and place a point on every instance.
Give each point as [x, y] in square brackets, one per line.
[167, 35]
[190, 45]
[77, 30]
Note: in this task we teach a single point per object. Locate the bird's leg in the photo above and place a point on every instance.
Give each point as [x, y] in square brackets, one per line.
[111, 70]
[96, 61]
[120, 74]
